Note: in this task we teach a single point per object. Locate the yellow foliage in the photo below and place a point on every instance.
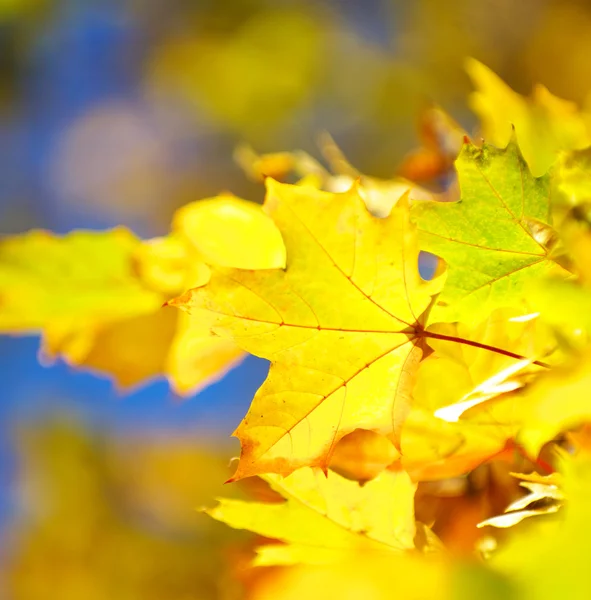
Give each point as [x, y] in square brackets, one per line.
[249, 80]
[108, 518]
[58, 281]
[557, 401]
[359, 576]
[547, 557]
[97, 296]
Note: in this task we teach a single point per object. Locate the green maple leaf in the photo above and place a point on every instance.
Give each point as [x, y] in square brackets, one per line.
[494, 239]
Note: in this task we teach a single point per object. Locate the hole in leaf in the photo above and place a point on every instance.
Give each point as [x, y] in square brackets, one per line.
[427, 265]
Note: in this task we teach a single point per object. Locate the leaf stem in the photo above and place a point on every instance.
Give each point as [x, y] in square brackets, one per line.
[459, 340]
[541, 463]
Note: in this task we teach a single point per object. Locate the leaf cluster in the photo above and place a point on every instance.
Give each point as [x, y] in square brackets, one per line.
[386, 381]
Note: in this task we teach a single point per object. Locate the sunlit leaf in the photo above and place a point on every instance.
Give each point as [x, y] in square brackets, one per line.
[495, 239]
[326, 516]
[332, 370]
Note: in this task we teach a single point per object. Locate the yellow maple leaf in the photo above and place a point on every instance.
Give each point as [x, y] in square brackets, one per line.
[227, 231]
[433, 449]
[340, 325]
[362, 455]
[325, 517]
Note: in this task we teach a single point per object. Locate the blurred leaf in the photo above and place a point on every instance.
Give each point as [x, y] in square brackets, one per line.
[196, 357]
[544, 497]
[97, 296]
[557, 401]
[547, 557]
[379, 195]
[360, 575]
[544, 124]
[362, 455]
[116, 347]
[433, 449]
[250, 80]
[442, 139]
[83, 292]
[84, 278]
[229, 232]
[326, 516]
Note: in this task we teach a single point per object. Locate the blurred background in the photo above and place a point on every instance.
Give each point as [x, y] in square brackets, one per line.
[118, 112]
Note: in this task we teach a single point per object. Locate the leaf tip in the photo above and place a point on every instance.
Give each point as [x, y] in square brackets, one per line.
[183, 301]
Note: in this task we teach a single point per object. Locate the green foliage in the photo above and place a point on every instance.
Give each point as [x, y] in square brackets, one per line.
[494, 239]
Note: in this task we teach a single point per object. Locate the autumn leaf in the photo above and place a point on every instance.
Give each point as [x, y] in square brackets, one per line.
[97, 296]
[544, 124]
[81, 290]
[433, 449]
[340, 325]
[113, 348]
[379, 195]
[557, 401]
[362, 455]
[495, 239]
[326, 516]
[544, 497]
[224, 231]
[442, 140]
[549, 558]
[467, 372]
[227, 231]
[86, 275]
